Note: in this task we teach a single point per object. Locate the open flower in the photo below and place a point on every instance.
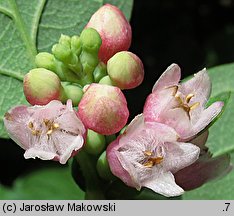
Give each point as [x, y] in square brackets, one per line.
[148, 154]
[51, 132]
[182, 106]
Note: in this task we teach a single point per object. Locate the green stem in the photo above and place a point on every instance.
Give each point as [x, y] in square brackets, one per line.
[20, 77]
[92, 181]
[20, 25]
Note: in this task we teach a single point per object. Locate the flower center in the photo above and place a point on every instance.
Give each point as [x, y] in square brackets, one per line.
[184, 102]
[47, 125]
[153, 157]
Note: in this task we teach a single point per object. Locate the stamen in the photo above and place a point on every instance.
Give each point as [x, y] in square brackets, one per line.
[147, 153]
[55, 125]
[186, 108]
[46, 122]
[49, 132]
[174, 88]
[30, 125]
[149, 164]
[194, 106]
[189, 97]
[179, 99]
[36, 132]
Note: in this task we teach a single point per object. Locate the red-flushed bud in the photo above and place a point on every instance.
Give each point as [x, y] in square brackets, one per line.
[103, 109]
[114, 29]
[41, 86]
[125, 70]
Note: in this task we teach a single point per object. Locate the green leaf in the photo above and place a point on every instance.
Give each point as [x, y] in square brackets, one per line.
[49, 183]
[220, 139]
[27, 27]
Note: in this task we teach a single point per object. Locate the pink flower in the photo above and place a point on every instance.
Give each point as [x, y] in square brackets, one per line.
[182, 106]
[51, 132]
[114, 30]
[103, 109]
[148, 154]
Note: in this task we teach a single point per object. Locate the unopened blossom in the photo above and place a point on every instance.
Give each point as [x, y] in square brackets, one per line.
[41, 86]
[147, 154]
[126, 70]
[103, 109]
[51, 132]
[182, 105]
[114, 30]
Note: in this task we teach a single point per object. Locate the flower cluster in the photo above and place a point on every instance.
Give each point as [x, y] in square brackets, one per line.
[157, 150]
[159, 142]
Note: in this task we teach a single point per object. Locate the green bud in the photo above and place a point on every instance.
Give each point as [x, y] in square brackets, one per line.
[76, 45]
[65, 40]
[90, 40]
[62, 53]
[95, 143]
[107, 81]
[41, 86]
[103, 168]
[45, 60]
[110, 138]
[73, 92]
[99, 72]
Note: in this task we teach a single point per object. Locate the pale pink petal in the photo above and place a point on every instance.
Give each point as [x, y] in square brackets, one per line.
[179, 155]
[164, 184]
[158, 103]
[170, 77]
[207, 116]
[15, 121]
[199, 85]
[115, 165]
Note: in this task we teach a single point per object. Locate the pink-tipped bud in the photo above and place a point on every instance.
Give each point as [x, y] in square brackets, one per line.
[114, 29]
[41, 86]
[103, 109]
[125, 70]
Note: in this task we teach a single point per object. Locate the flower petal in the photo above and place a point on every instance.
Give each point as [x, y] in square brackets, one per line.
[170, 77]
[180, 155]
[164, 184]
[199, 85]
[15, 121]
[207, 116]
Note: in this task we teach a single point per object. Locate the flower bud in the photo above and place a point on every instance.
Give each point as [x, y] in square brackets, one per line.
[114, 29]
[126, 70]
[103, 168]
[99, 72]
[103, 109]
[73, 92]
[76, 45]
[45, 60]
[95, 143]
[90, 40]
[41, 86]
[107, 81]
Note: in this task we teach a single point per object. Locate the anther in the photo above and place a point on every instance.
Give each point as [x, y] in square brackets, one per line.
[194, 106]
[49, 132]
[189, 97]
[147, 153]
[36, 132]
[30, 125]
[55, 125]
